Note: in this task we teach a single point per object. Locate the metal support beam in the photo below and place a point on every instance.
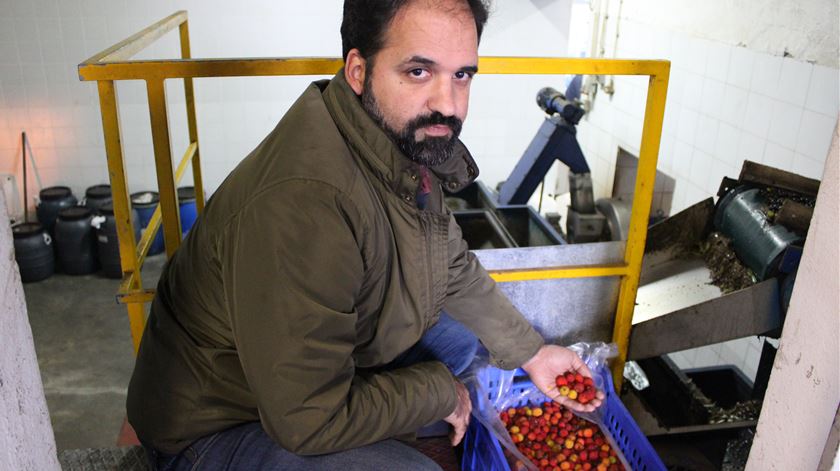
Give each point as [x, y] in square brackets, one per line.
[192, 123]
[119, 190]
[751, 311]
[506, 276]
[639, 216]
[163, 164]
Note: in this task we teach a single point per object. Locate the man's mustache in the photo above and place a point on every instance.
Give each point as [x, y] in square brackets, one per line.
[436, 118]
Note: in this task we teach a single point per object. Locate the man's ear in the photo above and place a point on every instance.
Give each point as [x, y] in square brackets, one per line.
[355, 67]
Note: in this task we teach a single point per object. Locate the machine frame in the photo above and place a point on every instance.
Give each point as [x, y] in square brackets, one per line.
[115, 64]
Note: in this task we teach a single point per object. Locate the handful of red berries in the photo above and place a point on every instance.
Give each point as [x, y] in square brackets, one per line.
[576, 387]
[554, 439]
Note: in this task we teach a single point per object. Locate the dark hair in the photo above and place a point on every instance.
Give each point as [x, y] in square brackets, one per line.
[365, 21]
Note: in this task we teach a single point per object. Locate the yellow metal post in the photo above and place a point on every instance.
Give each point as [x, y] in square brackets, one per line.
[640, 215]
[163, 163]
[189, 95]
[119, 189]
[507, 276]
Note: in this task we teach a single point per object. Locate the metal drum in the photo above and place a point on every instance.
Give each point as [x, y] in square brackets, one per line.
[107, 243]
[96, 196]
[75, 242]
[186, 208]
[759, 243]
[53, 199]
[145, 202]
[33, 251]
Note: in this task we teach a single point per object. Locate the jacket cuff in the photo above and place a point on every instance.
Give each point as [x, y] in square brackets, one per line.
[527, 347]
[444, 386]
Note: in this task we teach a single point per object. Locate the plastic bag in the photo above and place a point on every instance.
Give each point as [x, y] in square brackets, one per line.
[493, 390]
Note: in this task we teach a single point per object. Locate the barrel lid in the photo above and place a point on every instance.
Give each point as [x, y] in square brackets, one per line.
[74, 212]
[55, 193]
[107, 208]
[98, 191]
[186, 193]
[26, 229]
[142, 198]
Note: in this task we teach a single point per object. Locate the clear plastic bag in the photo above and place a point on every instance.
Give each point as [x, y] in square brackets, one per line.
[493, 390]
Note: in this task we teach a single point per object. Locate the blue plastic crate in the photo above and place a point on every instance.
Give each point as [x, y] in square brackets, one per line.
[483, 452]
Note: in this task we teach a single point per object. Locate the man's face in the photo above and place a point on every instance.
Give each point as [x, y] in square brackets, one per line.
[417, 86]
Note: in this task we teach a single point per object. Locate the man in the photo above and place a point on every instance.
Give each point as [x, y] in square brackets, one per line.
[300, 325]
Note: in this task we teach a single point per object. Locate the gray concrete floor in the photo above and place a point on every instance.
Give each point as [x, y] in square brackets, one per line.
[84, 350]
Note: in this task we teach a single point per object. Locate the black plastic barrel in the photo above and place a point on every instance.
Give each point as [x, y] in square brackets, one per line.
[107, 243]
[145, 203]
[53, 199]
[96, 196]
[75, 244]
[33, 251]
[186, 208]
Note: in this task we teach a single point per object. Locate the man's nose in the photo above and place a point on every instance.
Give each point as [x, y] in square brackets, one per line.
[443, 97]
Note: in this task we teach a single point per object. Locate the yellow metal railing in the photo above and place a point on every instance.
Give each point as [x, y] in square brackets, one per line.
[114, 64]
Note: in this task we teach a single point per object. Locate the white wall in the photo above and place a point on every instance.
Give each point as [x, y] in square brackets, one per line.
[731, 97]
[26, 435]
[805, 30]
[804, 390]
[41, 43]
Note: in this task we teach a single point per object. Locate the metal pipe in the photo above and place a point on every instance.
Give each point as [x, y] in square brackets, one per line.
[25, 184]
[192, 68]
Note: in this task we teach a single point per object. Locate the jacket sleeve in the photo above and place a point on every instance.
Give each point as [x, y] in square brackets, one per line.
[474, 299]
[291, 271]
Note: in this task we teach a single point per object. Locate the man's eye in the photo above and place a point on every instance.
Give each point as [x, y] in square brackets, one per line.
[461, 75]
[416, 72]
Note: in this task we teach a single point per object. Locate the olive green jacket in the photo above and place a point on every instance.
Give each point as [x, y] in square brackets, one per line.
[310, 267]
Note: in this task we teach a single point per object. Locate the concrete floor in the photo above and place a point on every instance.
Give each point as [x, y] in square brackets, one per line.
[84, 350]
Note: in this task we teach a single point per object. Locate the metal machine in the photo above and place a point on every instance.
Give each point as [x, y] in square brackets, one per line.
[587, 220]
[713, 273]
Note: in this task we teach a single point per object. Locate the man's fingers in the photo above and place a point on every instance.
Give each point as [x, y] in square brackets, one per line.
[457, 438]
[458, 432]
[581, 367]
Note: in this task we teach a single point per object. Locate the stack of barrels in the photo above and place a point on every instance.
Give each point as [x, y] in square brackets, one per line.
[79, 238]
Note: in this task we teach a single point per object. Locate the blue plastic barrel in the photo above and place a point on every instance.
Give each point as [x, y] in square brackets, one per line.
[145, 203]
[186, 208]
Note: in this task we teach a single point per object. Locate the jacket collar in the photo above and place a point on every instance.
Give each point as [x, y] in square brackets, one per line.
[371, 143]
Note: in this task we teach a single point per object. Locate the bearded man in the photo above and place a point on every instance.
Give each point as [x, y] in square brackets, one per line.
[325, 301]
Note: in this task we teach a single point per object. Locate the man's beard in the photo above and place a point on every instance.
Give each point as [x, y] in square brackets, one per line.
[428, 152]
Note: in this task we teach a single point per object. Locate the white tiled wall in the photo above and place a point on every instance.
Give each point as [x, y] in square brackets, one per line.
[42, 41]
[725, 104]
[743, 353]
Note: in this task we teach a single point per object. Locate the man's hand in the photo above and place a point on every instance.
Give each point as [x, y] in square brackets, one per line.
[551, 361]
[460, 417]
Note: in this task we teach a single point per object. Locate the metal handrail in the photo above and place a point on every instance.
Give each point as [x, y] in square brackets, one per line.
[114, 64]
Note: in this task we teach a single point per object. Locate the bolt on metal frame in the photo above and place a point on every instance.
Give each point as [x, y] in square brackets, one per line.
[115, 64]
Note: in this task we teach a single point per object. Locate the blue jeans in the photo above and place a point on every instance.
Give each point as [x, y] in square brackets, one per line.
[248, 447]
